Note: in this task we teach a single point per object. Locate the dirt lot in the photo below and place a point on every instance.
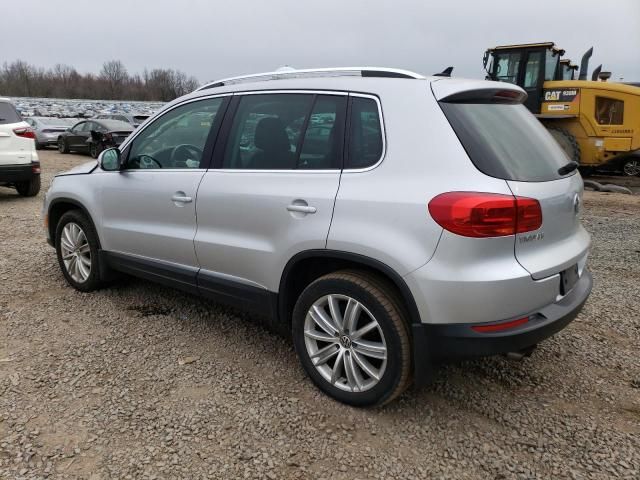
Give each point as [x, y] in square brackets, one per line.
[139, 381]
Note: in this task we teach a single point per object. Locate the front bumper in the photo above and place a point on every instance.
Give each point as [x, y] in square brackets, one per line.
[454, 341]
[17, 173]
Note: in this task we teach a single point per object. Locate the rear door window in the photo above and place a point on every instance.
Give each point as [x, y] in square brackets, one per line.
[323, 139]
[506, 141]
[8, 114]
[365, 133]
[286, 131]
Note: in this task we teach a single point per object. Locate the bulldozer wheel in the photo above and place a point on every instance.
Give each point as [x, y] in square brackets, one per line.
[567, 142]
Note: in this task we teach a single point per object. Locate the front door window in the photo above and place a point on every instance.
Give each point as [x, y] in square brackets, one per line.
[177, 139]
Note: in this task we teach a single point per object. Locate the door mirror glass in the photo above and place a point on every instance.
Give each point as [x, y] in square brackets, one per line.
[110, 160]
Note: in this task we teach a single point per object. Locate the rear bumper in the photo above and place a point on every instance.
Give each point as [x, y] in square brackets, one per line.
[454, 341]
[17, 173]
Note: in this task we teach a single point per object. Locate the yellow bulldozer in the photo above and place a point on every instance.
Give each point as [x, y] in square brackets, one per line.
[596, 122]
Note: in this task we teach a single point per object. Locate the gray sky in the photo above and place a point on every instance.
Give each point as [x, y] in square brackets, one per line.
[219, 39]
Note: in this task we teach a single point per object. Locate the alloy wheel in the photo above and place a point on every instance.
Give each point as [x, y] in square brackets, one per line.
[76, 253]
[345, 343]
[631, 168]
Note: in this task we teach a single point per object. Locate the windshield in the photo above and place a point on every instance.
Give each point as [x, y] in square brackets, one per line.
[506, 141]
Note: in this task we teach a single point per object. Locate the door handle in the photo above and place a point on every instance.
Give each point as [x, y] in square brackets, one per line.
[302, 208]
[181, 199]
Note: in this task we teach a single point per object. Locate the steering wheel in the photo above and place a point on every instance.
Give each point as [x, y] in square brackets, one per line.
[147, 159]
[186, 150]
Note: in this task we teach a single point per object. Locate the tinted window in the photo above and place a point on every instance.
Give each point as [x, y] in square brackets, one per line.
[507, 65]
[8, 114]
[609, 111]
[551, 64]
[365, 134]
[177, 138]
[79, 127]
[322, 146]
[506, 141]
[532, 69]
[266, 131]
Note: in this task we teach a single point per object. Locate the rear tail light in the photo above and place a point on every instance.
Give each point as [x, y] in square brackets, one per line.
[478, 215]
[25, 132]
[35, 167]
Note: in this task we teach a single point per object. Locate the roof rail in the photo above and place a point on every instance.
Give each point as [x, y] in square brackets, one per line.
[314, 73]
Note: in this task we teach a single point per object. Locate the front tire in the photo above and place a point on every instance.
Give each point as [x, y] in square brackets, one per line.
[352, 338]
[30, 188]
[77, 248]
[62, 146]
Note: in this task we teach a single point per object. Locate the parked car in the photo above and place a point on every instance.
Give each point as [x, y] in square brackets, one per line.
[93, 136]
[437, 219]
[130, 118]
[19, 164]
[48, 129]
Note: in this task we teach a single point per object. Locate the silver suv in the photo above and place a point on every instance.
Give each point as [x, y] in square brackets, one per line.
[383, 219]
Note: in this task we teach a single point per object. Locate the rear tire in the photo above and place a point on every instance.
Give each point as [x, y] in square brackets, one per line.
[362, 363]
[62, 146]
[30, 188]
[567, 142]
[77, 249]
[95, 150]
[631, 166]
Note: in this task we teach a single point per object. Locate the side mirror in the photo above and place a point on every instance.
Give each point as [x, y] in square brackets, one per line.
[110, 160]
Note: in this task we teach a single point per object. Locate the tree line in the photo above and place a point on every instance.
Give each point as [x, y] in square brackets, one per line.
[20, 79]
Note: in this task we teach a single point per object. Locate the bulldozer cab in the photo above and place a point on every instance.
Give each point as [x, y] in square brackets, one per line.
[567, 70]
[528, 66]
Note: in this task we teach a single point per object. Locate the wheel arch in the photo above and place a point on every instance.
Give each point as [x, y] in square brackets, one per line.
[306, 266]
[57, 208]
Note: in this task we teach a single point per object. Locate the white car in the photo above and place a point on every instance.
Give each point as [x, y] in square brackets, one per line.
[19, 163]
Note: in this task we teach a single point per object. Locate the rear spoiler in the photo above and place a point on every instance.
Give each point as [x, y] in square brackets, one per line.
[476, 91]
[489, 95]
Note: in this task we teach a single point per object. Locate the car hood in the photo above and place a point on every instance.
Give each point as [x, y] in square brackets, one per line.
[81, 169]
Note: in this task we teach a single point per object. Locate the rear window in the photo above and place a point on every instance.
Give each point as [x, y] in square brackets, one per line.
[609, 111]
[8, 114]
[506, 141]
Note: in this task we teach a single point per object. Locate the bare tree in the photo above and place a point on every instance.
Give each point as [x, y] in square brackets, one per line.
[114, 73]
[19, 79]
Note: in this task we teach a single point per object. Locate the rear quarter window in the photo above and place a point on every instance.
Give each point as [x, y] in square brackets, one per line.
[506, 141]
[365, 134]
[8, 114]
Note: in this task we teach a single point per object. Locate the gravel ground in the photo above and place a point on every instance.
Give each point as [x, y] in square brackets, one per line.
[139, 381]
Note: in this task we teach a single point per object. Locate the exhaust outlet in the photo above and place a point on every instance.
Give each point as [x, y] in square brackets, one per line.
[584, 64]
[520, 354]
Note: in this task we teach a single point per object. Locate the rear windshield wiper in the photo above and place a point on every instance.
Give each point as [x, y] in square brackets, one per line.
[568, 168]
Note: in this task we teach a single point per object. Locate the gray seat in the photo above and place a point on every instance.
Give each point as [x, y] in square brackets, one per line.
[275, 150]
